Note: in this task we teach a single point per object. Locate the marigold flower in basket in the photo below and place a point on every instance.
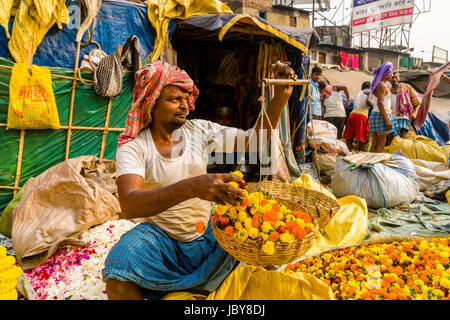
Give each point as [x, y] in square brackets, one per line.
[261, 219]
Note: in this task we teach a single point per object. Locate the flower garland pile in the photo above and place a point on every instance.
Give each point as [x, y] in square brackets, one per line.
[74, 273]
[410, 270]
[257, 217]
[9, 273]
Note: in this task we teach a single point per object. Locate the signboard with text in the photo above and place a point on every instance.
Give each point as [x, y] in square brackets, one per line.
[376, 14]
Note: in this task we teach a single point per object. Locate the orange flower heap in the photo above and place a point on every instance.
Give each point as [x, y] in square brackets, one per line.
[259, 218]
[413, 270]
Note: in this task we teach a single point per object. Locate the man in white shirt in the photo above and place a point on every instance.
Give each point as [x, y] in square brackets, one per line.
[162, 178]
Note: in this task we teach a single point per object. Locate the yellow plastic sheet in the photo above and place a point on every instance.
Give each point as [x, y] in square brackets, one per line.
[447, 195]
[32, 102]
[306, 181]
[347, 227]
[419, 147]
[5, 12]
[256, 283]
[160, 16]
[446, 150]
[30, 27]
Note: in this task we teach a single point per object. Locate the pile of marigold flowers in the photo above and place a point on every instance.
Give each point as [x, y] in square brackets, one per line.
[411, 270]
[259, 218]
[9, 273]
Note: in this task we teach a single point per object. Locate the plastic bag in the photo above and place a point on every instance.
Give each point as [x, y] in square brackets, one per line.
[32, 102]
[347, 227]
[57, 206]
[30, 27]
[256, 283]
[324, 138]
[382, 186]
[5, 11]
[325, 161]
[419, 148]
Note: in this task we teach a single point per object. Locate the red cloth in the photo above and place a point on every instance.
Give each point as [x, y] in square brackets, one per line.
[357, 127]
[150, 80]
[354, 61]
[344, 59]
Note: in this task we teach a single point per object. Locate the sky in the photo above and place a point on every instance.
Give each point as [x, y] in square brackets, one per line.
[428, 29]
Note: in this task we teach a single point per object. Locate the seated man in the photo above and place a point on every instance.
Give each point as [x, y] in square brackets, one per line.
[333, 105]
[162, 160]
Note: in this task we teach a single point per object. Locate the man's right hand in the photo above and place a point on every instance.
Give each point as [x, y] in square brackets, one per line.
[215, 187]
[388, 124]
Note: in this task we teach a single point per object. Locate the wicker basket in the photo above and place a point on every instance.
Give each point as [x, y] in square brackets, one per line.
[316, 203]
[250, 252]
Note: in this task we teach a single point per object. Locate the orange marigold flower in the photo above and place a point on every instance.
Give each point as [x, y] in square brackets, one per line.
[255, 220]
[281, 229]
[263, 202]
[299, 233]
[229, 230]
[200, 227]
[214, 219]
[274, 236]
[291, 225]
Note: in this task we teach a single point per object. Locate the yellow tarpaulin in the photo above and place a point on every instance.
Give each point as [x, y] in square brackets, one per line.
[419, 147]
[160, 16]
[256, 283]
[29, 26]
[347, 227]
[5, 12]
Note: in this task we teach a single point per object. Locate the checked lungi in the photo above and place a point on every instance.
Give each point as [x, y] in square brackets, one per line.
[147, 256]
[377, 125]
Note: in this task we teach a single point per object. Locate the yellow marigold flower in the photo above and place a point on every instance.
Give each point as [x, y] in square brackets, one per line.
[253, 233]
[248, 223]
[268, 248]
[2, 251]
[440, 267]
[301, 222]
[265, 236]
[445, 282]
[232, 213]
[279, 223]
[242, 234]
[239, 174]
[234, 184]
[242, 216]
[253, 211]
[283, 209]
[286, 237]
[10, 295]
[6, 262]
[444, 254]
[290, 217]
[266, 226]
[310, 225]
[221, 209]
[238, 226]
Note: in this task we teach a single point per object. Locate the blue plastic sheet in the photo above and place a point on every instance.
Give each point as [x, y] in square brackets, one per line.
[435, 129]
[115, 22]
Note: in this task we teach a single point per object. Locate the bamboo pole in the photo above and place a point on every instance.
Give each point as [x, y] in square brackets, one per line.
[52, 74]
[105, 131]
[72, 101]
[9, 187]
[83, 128]
[19, 161]
[285, 82]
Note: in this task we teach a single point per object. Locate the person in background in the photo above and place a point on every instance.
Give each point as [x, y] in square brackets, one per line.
[381, 119]
[405, 101]
[316, 105]
[334, 108]
[357, 127]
